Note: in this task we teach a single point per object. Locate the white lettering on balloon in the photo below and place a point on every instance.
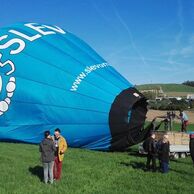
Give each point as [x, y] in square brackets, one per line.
[19, 43]
[85, 73]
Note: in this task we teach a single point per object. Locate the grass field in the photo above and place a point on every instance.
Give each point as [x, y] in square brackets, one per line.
[90, 172]
[168, 87]
[176, 126]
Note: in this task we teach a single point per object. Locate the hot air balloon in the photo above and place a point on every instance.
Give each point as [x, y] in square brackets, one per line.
[51, 79]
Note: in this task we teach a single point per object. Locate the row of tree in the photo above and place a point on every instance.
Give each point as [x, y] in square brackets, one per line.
[171, 104]
[189, 83]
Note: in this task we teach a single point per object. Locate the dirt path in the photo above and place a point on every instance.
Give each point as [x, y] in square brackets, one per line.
[153, 113]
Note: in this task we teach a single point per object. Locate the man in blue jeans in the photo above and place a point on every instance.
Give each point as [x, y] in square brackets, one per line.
[152, 152]
[47, 149]
[164, 154]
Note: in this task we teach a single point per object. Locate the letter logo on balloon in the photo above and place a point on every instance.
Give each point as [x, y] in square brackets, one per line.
[9, 86]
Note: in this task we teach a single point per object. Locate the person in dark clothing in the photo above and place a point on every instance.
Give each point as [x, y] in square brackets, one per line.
[164, 154]
[152, 153]
[191, 147]
[47, 149]
[159, 147]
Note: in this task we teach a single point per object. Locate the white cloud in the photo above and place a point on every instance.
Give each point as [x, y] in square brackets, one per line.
[192, 39]
[187, 51]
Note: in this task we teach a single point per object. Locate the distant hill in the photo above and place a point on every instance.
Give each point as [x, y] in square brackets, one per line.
[169, 89]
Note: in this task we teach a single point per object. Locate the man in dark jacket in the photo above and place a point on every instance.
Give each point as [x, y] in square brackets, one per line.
[164, 154]
[47, 149]
[191, 146]
[152, 153]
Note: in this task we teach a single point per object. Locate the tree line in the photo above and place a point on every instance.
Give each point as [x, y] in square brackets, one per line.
[188, 83]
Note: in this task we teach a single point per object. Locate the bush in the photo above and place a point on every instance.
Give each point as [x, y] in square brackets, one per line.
[191, 103]
[149, 95]
[169, 104]
[189, 83]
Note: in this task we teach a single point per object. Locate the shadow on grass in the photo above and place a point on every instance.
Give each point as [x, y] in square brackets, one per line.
[181, 172]
[136, 154]
[134, 164]
[181, 161]
[37, 171]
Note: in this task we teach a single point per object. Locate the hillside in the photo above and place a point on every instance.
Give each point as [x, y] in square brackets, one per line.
[172, 90]
[167, 87]
[89, 172]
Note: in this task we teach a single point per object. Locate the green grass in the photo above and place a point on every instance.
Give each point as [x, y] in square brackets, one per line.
[90, 172]
[176, 126]
[167, 87]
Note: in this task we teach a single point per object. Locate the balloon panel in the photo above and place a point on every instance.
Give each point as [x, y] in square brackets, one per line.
[49, 79]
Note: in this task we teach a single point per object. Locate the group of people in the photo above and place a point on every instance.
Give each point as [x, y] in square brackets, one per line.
[157, 149]
[169, 118]
[52, 150]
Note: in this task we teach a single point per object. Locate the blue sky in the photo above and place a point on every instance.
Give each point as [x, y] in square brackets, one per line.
[147, 41]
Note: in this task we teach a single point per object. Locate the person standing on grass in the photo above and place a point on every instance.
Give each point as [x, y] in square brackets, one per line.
[152, 153]
[184, 121]
[191, 147]
[159, 147]
[47, 149]
[61, 147]
[164, 154]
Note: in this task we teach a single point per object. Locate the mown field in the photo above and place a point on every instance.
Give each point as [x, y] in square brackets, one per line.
[167, 87]
[176, 126]
[90, 172]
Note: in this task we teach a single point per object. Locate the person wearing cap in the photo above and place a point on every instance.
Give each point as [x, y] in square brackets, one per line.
[47, 149]
[61, 147]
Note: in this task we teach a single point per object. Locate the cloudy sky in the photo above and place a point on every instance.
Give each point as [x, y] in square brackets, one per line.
[147, 41]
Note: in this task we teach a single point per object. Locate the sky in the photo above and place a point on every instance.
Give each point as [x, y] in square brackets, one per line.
[147, 41]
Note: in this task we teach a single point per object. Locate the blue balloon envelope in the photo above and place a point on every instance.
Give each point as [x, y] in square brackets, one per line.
[51, 79]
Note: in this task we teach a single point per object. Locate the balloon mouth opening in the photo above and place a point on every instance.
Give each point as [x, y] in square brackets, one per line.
[136, 122]
[126, 119]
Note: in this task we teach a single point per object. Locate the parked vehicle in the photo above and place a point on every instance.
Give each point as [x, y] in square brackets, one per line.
[179, 143]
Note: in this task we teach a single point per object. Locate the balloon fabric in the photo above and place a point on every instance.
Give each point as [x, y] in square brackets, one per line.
[51, 79]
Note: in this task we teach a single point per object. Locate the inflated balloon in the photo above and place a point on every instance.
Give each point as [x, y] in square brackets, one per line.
[51, 79]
